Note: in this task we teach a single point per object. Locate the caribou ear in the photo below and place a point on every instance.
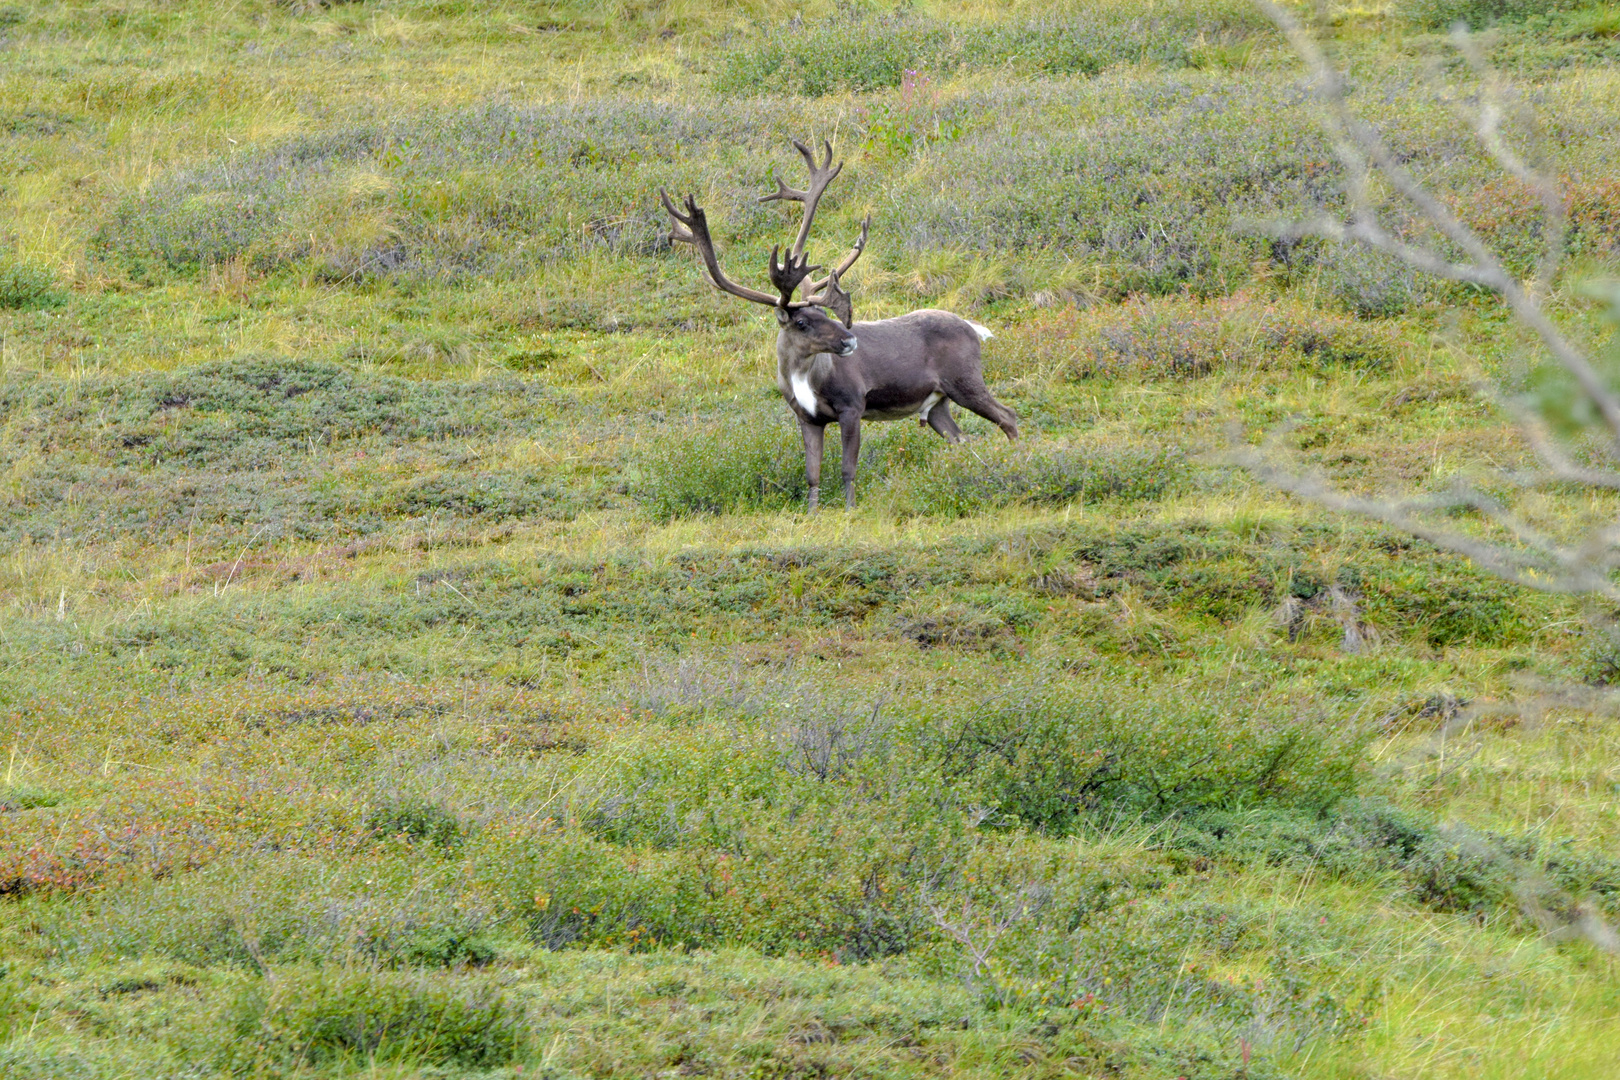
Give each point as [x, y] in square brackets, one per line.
[782, 315]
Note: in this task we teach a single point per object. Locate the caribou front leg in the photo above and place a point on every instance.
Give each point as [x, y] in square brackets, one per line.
[849, 428]
[813, 436]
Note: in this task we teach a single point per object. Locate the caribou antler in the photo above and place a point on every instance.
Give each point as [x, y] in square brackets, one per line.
[820, 176]
[849, 260]
[693, 228]
[826, 293]
[789, 269]
[787, 274]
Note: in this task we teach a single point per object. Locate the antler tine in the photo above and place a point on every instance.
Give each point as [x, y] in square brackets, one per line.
[820, 177]
[849, 260]
[680, 231]
[784, 193]
[834, 299]
[788, 273]
[693, 228]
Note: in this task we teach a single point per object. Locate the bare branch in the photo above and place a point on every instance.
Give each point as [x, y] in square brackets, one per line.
[1487, 127]
[1542, 571]
[1363, 151]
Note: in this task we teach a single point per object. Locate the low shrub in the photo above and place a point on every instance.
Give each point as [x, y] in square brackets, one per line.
[1478, 14]
[24, 286]
[685, 789]
[323, 1018]
[286, 909]
[1182, 338]
[848, 54]
[1447, 868]
[761, 467]
[1049, 754]
[264, 440]
[22, 797]
[987, 474]
[415, 820]
[860, 52]
[15, 1008]
[843, 874]
[1371, 284]
[755, 464]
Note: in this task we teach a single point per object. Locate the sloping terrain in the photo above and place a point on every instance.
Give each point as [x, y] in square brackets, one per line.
[415, 660]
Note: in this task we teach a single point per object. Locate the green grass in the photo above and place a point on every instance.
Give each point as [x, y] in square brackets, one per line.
[415, 660]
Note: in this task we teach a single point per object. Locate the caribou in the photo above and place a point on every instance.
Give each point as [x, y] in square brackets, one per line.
[835, 371]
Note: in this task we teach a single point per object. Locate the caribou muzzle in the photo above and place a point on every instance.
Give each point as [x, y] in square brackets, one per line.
[849, 346]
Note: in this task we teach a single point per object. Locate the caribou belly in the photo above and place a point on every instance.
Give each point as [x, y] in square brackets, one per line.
[904, 412]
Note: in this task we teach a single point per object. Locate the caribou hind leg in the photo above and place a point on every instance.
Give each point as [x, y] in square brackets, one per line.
[939, 418]
[977, 399]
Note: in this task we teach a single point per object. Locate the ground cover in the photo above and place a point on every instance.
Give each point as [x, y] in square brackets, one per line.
[414, 660]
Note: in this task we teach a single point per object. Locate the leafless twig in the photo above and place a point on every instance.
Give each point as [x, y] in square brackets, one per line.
[1525, 553]
[1531, 556]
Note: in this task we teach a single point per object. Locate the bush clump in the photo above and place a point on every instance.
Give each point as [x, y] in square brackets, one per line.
[858, 52]
[24, 286]
[1446, 868]
[756, 464]
[416, 820]
[315, 1018]
[859, 55]
[1186, 338]
[983, 476]
[1048, 755]
[1478, 14]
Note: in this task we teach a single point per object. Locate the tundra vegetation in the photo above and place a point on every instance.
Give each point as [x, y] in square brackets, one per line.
[414, 660]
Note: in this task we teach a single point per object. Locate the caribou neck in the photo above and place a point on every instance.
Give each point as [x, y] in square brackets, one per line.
[800, 377]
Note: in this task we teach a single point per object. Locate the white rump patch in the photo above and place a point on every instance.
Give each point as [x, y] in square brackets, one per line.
[983, 331]
[802, 393]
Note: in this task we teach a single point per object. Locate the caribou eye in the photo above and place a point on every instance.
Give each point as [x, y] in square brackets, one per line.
[800, 324]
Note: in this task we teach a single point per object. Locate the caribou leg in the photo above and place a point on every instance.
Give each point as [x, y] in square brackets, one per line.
[939, 418]
[977, 399]
[849, 429]
[813, 436]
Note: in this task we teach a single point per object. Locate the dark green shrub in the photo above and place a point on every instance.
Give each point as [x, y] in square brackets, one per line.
[434, 947]
[1371, 284]
[1478, 14]
[1448, 602]
[1447, 869]
[572, 890]
[25, 286]
[1050, 754]
[416, 820]
[22, 797]
[316, 1018]
[756, 463]
[839, 874]
[987, 474]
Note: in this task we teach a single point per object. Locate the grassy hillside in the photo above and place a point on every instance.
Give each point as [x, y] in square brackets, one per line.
[415, 661]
